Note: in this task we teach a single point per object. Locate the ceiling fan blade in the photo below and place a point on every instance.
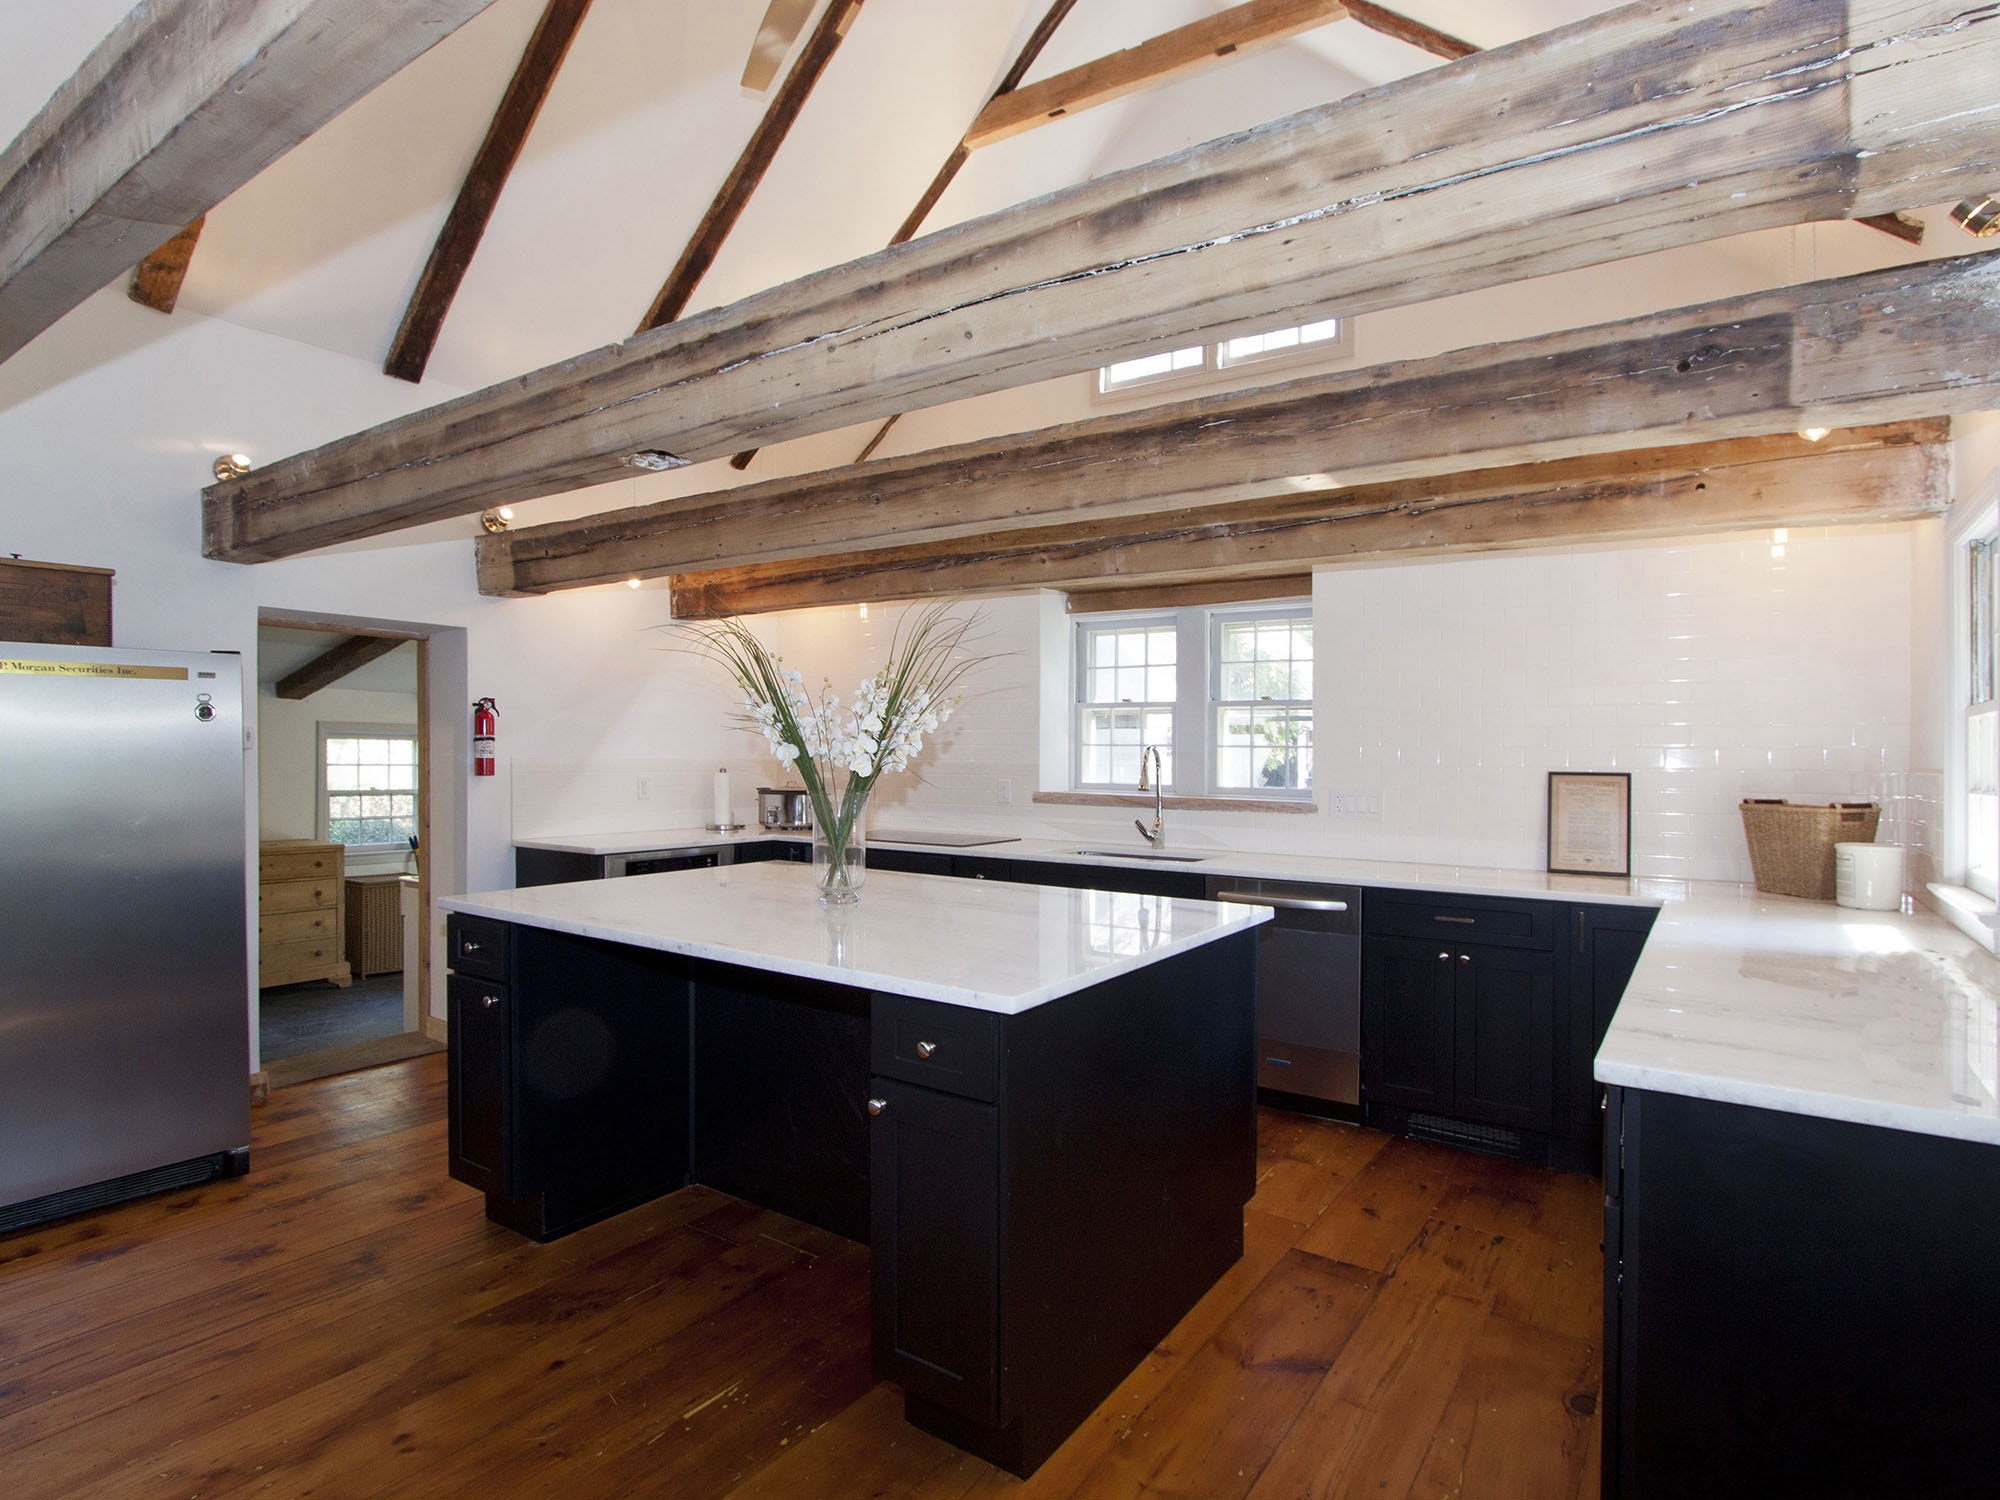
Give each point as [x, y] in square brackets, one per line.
[783, 21]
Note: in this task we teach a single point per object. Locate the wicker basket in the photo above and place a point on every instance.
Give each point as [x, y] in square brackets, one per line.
[1791, 843]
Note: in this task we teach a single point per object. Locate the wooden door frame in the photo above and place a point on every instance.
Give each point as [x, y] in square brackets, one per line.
[427, 761]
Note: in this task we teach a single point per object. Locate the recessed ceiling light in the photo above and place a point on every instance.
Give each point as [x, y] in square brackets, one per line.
[653, 460]
[496, 521]
[1814, 434]
[232, 466]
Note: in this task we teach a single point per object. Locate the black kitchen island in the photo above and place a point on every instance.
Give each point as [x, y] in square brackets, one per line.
[1035, 1105]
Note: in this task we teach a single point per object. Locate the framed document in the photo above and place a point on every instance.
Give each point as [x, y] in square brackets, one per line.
[1590, 823]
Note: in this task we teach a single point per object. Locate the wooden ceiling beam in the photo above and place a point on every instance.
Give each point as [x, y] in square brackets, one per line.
[324, 670]
[1870, 474]
[734, 194]
[183, 103]
[1893, 345]
[156, 280]
[1182, 595]
[464, 227]
[1406, 29]
[1640, 129]
[1240, 29]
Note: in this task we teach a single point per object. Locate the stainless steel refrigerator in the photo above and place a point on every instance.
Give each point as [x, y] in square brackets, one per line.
[124, 1041]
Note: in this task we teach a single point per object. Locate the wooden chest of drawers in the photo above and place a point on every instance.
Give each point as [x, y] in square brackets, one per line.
[300, 912]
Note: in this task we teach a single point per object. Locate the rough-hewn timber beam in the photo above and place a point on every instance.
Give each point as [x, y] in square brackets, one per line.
[761, 150]
[183, 103]
[1640, 129]
[464, 227]
[1893, 345]
[1238, 30]
[1869, 474]
[1194, 591]
[157, 280]
[324, 670]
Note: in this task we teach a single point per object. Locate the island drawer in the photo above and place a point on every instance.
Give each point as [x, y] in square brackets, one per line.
[479, 947]
[945, 1047]
[1496, 922]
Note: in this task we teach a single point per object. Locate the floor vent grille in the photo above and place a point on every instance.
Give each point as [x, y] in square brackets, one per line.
[97, 1195]
[1487, 1138]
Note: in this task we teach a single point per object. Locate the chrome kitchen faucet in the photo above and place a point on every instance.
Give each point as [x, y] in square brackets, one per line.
[1158, 835]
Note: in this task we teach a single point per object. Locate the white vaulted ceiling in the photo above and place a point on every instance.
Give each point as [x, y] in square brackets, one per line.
[644, 121]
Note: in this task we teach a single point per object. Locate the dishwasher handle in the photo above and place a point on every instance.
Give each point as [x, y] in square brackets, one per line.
[1282, 903]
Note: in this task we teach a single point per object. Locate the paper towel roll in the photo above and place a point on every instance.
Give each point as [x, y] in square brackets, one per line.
[721, 811]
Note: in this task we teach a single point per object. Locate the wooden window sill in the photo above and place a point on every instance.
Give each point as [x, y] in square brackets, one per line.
[1175, 804]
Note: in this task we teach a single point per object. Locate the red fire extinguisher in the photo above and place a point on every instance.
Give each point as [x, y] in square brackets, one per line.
[483, 727]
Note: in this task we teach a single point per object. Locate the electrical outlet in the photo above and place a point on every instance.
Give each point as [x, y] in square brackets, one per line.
[645, 789]
[1354, 804]
[1006, 791]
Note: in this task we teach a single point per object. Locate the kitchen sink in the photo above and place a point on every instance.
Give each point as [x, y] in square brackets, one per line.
[1173, 859]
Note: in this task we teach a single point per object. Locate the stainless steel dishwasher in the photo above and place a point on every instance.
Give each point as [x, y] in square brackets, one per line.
[1308, 987]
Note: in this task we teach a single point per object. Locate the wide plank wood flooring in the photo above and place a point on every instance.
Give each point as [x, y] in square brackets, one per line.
[1408, 1320]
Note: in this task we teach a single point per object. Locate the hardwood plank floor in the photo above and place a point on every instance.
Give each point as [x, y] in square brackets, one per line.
[1407, 1320]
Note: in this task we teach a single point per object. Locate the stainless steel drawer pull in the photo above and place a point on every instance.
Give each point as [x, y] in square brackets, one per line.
[489, 1001]
[925, 1049]
[1462, 921]
[1283, 903]
[876, 1106]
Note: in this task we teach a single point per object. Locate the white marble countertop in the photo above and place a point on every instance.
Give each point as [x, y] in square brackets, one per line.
[982, 944]
[1467, 880]
[1882, 1018]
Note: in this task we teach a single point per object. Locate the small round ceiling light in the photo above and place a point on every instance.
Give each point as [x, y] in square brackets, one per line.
[498, 519]
[232, 466]
[1978, 216]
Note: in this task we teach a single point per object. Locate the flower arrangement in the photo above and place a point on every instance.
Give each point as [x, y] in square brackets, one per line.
[840, 750]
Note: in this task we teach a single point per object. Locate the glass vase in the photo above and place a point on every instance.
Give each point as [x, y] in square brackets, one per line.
[840, 864]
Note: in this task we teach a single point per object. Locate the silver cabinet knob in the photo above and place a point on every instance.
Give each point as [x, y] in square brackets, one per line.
[489, 1001]
[925, 1049]
[876, 1106]
[1465, 958]
[1444, 958]
[467, 945]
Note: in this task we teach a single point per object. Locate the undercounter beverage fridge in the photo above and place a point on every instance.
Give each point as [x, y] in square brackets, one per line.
[124, 1046]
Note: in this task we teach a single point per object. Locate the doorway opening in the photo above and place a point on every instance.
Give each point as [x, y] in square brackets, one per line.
[347, 779]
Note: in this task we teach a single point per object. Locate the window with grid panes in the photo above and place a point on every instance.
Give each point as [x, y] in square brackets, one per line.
[368, 786]
[1126, 690]
[1261, 701]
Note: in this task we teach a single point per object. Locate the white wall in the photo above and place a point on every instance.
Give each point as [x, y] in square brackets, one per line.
[1711, 670]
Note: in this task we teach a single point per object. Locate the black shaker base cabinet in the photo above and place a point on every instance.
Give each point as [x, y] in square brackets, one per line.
[1796, 1306]
[1044, 1195]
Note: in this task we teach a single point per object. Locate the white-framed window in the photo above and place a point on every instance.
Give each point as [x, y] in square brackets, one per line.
[1280, 342]
[368, 785]
[1127, 680]
[1261, 701]
[1224, 692]
[1321, 338]
[1148, 369]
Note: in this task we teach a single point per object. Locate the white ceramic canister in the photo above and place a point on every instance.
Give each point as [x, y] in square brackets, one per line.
[1868, 876]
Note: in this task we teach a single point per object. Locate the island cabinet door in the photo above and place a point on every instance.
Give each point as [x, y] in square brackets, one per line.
[479, 1016]
[1407, 1034]
[935, 1246]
